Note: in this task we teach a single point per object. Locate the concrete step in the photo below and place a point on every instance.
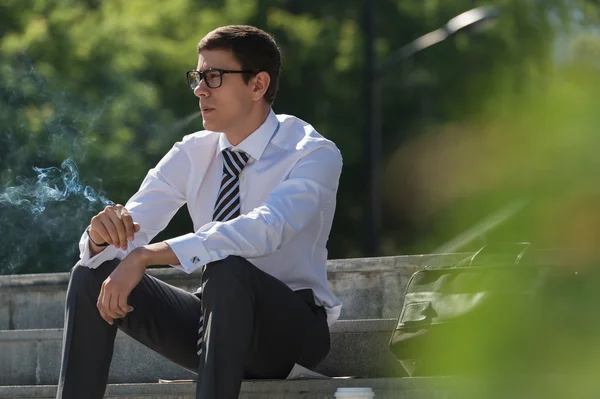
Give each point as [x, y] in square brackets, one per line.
[384, 388]
[370, 288]
[32, 357]
[498, 387]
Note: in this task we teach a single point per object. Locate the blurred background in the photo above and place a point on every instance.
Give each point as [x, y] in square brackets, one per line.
[488, 136]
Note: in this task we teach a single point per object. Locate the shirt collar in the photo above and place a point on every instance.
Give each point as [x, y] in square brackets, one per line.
[255, 144]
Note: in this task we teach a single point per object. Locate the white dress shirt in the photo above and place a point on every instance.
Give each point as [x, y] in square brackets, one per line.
[287, 193]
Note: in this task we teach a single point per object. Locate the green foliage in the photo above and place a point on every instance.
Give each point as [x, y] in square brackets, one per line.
[103, 82]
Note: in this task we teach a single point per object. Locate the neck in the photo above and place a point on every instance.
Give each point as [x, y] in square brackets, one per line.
[255, 119]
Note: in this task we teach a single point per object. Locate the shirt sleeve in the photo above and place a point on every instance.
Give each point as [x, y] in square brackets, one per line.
[159, 197]
[310, 188]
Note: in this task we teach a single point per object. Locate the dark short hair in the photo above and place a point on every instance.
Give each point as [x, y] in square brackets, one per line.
[253, 48]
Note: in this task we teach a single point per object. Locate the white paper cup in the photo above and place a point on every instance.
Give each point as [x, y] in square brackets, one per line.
[354, 393]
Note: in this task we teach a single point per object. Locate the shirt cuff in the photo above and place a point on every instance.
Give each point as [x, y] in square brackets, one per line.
[93, 262]
[190, 251]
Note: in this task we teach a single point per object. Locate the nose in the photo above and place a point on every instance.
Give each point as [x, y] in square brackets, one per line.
[202, 90]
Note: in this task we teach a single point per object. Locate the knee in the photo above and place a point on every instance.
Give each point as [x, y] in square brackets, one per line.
[80, 281]
[226, 272]
[82, 278]
[79, 275]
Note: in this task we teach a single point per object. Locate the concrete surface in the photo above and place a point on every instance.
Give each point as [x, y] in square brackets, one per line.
[370, 288]
[384, 388]
[32, 357]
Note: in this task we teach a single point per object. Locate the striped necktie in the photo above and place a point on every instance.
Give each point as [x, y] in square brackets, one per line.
[227, 205]
[228, 201]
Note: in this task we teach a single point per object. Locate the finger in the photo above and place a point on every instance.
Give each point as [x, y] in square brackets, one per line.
[113, 310]
[121, 239]
[104, 217]
[101, 306]
[120, 225]
[112, 231]
[128, 222]
[109, 300]
[98, 228]
[137, 226]
[122, 303]
[105, 317]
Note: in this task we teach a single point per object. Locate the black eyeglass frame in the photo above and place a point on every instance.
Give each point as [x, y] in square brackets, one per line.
[221, 73]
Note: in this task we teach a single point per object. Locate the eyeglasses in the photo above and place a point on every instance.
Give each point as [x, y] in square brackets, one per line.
[213, 77]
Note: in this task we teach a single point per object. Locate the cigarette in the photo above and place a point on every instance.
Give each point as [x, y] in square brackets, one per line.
[117, 211]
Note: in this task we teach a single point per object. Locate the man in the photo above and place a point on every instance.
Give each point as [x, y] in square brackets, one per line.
[261, 190]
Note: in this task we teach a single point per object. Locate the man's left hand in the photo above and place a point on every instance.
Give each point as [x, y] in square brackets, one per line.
[112, 301]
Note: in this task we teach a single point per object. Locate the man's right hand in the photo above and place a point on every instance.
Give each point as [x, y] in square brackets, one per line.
[108, 227]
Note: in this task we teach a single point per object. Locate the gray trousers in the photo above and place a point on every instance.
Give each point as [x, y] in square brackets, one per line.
[254, 327]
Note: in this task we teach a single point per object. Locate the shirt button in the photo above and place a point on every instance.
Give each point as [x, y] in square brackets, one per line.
[195, 260]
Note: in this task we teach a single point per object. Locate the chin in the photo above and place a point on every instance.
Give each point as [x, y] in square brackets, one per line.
[210, 125]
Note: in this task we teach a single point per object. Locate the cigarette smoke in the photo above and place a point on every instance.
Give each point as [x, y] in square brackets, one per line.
[44, 203]
[51, 184]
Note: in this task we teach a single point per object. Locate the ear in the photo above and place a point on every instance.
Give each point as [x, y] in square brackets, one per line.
[261, 84]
